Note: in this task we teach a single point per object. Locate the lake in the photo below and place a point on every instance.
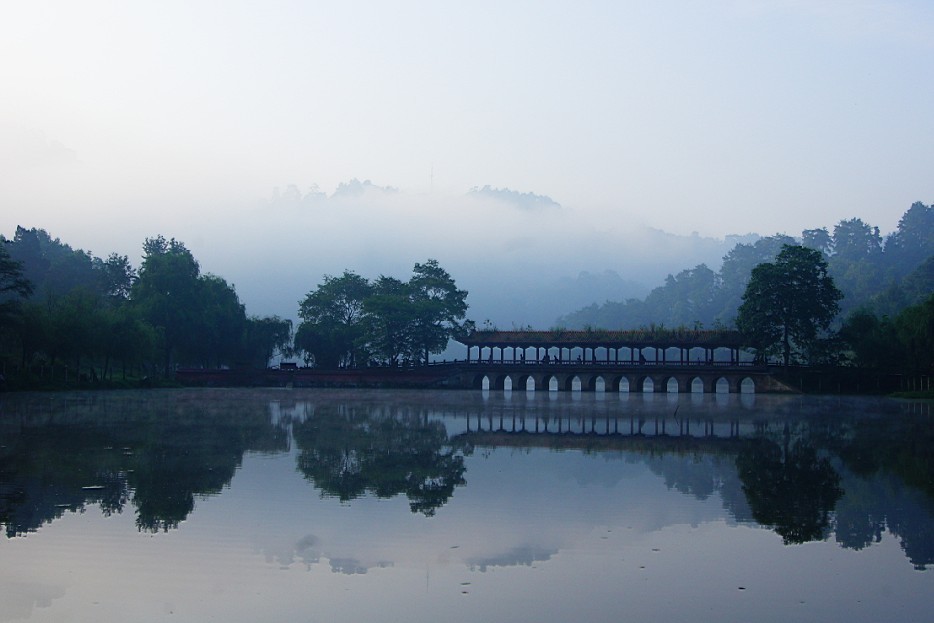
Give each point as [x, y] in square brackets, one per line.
[385, 505]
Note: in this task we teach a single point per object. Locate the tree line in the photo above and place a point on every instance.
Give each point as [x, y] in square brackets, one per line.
[850, 297]
[880, 274]
[846, 297]
[352, 321]
[67, 316]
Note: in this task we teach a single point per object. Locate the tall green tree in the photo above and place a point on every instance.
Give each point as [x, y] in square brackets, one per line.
[13, 285]
[737, 268]
[220, 320]
[332, 320]
[872, 341]
[166, 293]
[788, 303]
[439, 308]
[913, 242]
[915, 329]
[389, 320]
[818, 239]
[116, 275]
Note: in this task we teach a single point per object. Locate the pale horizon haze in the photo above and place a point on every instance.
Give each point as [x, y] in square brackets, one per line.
[121, 120]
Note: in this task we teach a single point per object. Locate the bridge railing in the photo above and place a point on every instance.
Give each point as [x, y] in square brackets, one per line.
[573, 363]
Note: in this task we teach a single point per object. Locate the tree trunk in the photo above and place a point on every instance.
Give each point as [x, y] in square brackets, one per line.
[167, 360]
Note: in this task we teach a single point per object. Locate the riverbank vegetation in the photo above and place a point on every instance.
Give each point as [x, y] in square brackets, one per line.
[882, 320]
[70, 318]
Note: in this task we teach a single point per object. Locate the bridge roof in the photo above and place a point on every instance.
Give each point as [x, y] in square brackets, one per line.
[685, 338]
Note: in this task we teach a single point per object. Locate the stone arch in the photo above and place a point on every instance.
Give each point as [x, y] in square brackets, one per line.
[697, 385]
[647, 385]
[571, 386]
[522, 382]
[722, 386]
[597, 383]
[747, 386]
[502, 381]
[481, 381]
[672, 386]
[637, 384]
[550, 383]
[622, 384]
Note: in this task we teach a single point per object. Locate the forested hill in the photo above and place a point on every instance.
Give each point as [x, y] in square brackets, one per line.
[880, 274]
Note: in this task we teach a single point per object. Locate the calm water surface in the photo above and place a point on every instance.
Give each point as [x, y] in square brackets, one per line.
[339, 505]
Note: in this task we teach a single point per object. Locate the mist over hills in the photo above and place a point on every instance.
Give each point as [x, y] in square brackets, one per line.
[525, 258]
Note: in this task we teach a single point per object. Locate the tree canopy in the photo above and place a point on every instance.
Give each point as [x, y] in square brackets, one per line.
[788, 302]
[332, 316]
[883, 274]
[348, 320]
[13, 285]
[68, 316]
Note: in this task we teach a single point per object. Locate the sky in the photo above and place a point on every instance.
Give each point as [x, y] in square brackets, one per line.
[192, 119]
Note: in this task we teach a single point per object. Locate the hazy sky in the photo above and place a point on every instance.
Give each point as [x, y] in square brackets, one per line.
[120, 120]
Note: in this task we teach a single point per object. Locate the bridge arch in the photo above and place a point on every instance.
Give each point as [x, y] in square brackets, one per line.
[672, 386]
[722, 386]
[697, 385]
[621, 383]
[596, 383]
[502, 382]
[747, 386]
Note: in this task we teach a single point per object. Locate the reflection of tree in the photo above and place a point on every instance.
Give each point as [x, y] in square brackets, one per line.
[46, 473]
[166, 481]
[789, 488]
[893, 483]
[900, 446]
[159, 453]
[349, 453]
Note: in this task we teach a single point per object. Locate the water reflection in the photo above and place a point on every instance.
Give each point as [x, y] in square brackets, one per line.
[789, 487]
[806, 468]
[64, 452]
[350, 450]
